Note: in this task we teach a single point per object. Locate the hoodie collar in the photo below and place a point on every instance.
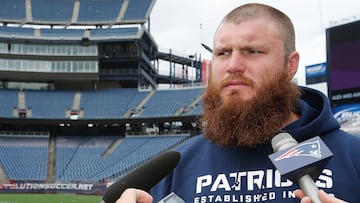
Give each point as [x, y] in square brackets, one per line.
[316, 118]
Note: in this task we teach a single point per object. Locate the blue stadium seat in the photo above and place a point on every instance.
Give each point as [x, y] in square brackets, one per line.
[81, 158]
[13, 10]
[112, 103]
[115, 32]
[100, 104]
[8, 100]
[196, 111]
[49, 104]
[165, 103]
[17, 31]
[56, 11]
[24, 158]
[99, 11]
[67, 33]
[138, 10]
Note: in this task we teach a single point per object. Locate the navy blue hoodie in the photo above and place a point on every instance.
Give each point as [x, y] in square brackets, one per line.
[210, 173]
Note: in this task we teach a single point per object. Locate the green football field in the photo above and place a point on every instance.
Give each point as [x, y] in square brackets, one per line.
[49, 198]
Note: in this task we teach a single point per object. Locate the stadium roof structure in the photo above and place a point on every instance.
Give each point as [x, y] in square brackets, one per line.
[75, 12]
[53, 34]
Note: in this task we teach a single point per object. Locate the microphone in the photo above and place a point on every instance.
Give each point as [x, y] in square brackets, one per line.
[301, 163]
[144, 177]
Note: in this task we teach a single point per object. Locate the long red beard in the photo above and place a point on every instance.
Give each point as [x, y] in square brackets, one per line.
[239, 123]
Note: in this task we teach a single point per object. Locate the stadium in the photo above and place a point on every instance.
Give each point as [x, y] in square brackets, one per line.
[84, 98]
[80, 98]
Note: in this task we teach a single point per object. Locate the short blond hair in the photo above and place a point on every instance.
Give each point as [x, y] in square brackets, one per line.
[253, 11]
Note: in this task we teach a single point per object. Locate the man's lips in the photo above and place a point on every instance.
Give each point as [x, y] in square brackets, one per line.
[235, 84]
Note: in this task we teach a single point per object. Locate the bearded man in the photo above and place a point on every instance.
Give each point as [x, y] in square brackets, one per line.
[250, 99]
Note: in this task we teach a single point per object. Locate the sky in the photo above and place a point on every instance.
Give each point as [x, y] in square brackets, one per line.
[182, 25]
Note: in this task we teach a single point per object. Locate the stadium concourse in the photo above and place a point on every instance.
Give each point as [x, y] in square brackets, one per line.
[80, 103]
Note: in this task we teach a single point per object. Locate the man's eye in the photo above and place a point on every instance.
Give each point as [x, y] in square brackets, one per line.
[255, 52]
[223, 53]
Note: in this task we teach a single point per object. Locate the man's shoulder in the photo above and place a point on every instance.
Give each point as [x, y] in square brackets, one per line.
[343, 135]
[343, 140]
[193, 143]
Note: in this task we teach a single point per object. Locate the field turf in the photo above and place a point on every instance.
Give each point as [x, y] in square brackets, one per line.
[49, 198]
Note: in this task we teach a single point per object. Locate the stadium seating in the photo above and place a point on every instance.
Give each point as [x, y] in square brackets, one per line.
[79, 155]
[98, 11]
[114, 32]
[43, 10]
[165, 103]
[24, 157]
[111, 103]
[83, 158]
[8, 101]
[70, 34]
[137, 10]
[75, 12]
[16, 31]
[58, 33]
[48, 104]
[100, 104]
[13, 10]
[194, 111]
[147, 147]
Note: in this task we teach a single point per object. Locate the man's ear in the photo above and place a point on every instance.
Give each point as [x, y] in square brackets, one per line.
[293, 64]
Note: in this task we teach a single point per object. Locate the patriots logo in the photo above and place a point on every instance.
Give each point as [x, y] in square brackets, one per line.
[311, 149]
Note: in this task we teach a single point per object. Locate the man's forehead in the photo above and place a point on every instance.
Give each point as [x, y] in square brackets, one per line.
[248, 30]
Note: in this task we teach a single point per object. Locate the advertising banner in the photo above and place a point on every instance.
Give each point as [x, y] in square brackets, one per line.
[349, 117]
[27, 186]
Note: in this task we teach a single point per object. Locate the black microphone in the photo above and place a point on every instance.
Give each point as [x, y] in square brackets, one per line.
[144, 177]
[301, 163]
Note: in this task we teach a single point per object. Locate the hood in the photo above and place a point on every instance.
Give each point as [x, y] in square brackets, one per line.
[316, 116]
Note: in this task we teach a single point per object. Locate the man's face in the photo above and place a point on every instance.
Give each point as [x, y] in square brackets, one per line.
[245, 57]
[250, 96]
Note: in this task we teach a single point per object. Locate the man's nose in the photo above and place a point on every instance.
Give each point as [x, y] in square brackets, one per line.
[236, 62]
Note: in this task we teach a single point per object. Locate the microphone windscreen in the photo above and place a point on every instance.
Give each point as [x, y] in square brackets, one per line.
[144, 177]
[282, 141]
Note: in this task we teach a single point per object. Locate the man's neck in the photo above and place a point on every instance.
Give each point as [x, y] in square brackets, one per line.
[292, 117]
